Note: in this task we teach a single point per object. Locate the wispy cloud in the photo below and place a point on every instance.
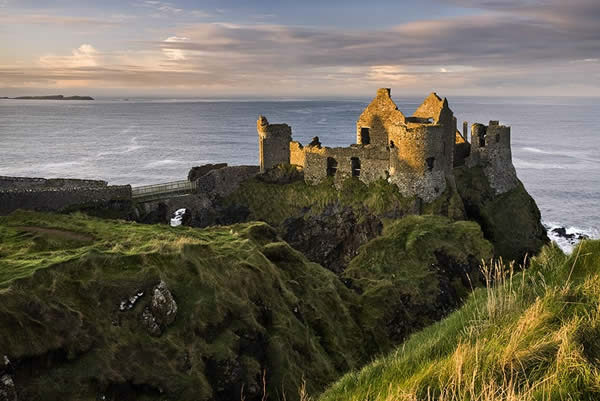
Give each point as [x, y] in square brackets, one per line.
[527, 46]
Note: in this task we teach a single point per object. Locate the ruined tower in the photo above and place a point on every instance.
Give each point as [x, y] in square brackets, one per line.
[490, 149]
[273, 143]
[437, 109]
[378, 120]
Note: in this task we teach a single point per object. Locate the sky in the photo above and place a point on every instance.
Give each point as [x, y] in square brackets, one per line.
[299, 48]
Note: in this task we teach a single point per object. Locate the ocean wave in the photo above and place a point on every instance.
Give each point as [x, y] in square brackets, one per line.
[537, 166]
[166, 162]
[566, 244]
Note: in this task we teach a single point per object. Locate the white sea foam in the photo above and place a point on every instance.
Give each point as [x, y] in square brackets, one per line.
[566, 244]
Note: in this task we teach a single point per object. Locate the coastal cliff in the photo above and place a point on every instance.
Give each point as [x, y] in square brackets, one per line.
[100, 309]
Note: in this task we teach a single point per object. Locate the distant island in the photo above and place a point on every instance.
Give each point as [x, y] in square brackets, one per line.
[51, 97]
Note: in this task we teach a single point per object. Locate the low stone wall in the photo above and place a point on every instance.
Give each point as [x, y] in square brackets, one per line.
[60, 199]
[224, 181]
[23, 183]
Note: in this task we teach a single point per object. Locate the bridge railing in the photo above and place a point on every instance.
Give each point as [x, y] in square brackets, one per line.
[146, 191]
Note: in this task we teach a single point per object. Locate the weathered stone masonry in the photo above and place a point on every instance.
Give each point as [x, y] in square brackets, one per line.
[417, 153]
[56, 194]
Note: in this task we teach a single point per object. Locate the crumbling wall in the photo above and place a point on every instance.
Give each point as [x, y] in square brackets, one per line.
[462, 149]
[367, 163]
[490, 149]
[14, 183]
[297, 156]
[224, 181]
[59, 199]
[380, 117]
[417, 162]
[438, 110]
[274, 143]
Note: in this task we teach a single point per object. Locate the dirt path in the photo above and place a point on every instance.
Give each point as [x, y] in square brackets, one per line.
[70, 235]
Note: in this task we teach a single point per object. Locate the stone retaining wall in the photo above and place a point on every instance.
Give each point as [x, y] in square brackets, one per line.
[59, 199]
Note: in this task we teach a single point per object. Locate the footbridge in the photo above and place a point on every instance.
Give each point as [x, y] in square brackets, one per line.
[154, 192]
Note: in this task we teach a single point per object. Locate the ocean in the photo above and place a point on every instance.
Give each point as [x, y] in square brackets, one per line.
[555, 141]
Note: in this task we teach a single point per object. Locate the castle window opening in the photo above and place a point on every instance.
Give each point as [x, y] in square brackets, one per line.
[497, 138]
[355, 166]
[430, 163]
[331, 166]
[392, 144]
[365, 137]
[482, 141]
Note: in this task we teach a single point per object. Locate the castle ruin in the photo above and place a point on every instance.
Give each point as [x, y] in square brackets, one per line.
[416, 153]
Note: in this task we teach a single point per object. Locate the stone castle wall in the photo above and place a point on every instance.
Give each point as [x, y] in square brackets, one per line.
[417, 153]
[367, 163]
[60, 198]
[380, 118]
[490, 149]
[11, 183]
[417, 163]
[274, 143]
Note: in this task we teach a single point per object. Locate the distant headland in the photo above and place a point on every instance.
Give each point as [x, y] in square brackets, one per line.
[51, 97]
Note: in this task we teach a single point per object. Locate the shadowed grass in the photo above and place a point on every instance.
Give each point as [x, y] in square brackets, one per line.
[530, 335]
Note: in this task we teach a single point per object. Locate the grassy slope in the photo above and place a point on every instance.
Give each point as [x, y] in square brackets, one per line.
[415, 273]
[246, 301]
[533, 336]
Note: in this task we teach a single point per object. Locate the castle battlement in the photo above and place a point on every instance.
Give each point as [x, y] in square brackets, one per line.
[417, 153]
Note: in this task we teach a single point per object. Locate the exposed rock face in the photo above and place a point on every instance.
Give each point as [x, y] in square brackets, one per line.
[164, 307]
[161, 312]
[333, 237]
[200, 171]
[511, 221]
[8, 391]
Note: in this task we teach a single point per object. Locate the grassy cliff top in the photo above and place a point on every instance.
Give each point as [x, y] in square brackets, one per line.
[249, 305]
[530, 336]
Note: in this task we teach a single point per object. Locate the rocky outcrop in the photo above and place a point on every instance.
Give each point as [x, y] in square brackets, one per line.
[201, 171]
[331, 238]
[8, 391]
[511, 221]
[161, 312]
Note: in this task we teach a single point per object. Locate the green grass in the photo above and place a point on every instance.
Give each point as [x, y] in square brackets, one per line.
[419, 269]
[249, 305]
[274, 203]
[531, 335]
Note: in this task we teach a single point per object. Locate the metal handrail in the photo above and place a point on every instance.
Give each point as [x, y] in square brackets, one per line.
[163, 188]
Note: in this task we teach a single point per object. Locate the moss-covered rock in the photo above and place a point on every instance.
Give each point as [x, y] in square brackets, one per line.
[415, 273]
[511, 221]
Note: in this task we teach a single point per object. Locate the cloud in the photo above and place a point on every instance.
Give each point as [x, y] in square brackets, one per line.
[84, 56]
[521, 46]
[175, 54]
[62, 20]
